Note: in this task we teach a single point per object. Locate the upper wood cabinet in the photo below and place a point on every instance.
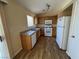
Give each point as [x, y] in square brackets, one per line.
[41, 20]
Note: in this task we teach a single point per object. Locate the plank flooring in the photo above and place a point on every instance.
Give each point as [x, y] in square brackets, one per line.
[45, 48]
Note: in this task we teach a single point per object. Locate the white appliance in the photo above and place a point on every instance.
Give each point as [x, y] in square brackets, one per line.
[48, 28]
[33, 39]
[63, 31]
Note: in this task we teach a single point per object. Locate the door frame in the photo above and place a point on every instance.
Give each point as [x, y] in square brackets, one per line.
[5, 27]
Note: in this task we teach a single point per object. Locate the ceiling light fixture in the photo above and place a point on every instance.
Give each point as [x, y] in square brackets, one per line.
[47, 8]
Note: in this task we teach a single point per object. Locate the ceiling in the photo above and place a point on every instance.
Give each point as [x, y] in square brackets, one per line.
[37, 6]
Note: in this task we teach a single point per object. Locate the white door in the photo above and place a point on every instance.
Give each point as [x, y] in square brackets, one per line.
[4, 54]
[73, 42]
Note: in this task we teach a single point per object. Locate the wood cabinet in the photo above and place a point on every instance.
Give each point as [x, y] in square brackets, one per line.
[42, 31]
[38, 34]
[54, 31]
[28, 41]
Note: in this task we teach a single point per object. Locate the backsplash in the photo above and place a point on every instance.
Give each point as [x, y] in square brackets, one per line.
[43, 25]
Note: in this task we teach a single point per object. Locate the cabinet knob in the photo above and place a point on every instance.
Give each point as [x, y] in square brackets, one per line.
[73, 36]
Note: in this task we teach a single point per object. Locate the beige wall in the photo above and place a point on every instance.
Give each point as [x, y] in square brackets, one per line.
[16, 22]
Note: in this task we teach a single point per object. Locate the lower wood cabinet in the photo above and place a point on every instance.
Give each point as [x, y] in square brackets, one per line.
[42, 31]
[38, 33]
[28, 41]
[54, 31]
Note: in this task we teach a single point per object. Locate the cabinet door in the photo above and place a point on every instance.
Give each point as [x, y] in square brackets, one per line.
[38, 34]
[33, 39]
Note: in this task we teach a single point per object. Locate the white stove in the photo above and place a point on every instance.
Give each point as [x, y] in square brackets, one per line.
[48, 28]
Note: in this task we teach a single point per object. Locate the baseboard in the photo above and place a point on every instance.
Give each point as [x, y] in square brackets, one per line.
[17, 52]
[68, 55]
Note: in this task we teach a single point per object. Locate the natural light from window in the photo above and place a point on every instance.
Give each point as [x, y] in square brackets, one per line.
[30, 21]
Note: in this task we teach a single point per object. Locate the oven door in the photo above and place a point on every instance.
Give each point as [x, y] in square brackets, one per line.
[48, 31]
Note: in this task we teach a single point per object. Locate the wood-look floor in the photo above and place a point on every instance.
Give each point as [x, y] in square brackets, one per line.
[45, 48]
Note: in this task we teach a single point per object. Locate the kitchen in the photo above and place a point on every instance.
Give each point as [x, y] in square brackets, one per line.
[33, 30]
[38, 30]
[31, 37]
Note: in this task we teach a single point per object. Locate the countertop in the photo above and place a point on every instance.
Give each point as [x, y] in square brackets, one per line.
[32, 31]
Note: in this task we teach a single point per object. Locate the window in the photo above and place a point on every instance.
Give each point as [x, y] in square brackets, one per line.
[30, 21]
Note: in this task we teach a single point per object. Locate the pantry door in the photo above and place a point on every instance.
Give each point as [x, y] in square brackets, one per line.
[73, 42]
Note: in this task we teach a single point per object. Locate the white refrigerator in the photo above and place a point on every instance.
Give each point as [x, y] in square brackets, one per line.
[63, 25]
